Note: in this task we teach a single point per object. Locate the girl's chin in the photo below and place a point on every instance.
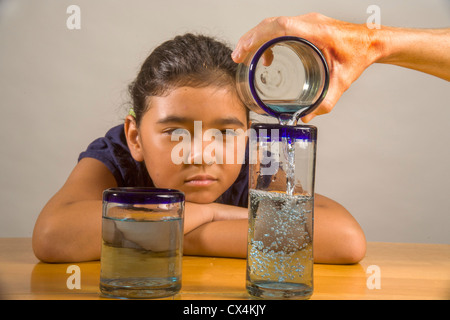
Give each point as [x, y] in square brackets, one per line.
[201, 197]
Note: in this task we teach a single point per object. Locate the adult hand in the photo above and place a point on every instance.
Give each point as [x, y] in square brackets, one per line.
[348, 48]
[351, 48]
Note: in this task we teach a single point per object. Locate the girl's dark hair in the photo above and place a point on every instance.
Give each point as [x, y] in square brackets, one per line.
[187, 60]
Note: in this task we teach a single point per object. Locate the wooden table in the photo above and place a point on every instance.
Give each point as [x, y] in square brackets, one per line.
[389, 271]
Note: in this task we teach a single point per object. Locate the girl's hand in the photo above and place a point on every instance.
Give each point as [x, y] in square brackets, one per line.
[197, 214]
[227, 212]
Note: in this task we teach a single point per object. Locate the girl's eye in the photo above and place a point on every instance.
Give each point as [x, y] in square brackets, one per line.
[224, 133]
[229, 132]
[176, 131]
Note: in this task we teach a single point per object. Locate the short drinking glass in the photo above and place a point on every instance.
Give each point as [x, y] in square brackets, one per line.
[142, 242]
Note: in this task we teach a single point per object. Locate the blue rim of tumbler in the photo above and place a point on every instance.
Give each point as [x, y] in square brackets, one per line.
[264, 132]
[141, 195]
[252, 71]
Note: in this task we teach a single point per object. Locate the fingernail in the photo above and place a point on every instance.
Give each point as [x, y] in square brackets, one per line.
[237, 52]
[235, 55]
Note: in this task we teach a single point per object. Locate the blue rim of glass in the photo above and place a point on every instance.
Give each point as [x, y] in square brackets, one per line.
[252, 70]
[263, 132]
[141, 195]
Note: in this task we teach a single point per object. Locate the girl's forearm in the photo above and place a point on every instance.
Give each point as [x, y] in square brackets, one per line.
[226, 238]
[215, 230]
[72, 235]
[197, 215]
[67, 232]
[338, 238]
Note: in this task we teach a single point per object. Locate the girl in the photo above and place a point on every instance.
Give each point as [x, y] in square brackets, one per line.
[184, 80]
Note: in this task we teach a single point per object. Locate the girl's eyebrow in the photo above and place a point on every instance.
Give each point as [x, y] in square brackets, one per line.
[174, 118]
[228, 121]
[216, 122]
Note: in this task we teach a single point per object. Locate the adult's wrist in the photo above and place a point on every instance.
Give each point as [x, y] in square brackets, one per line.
[380, 44]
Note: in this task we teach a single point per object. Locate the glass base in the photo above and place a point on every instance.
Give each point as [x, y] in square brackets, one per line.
[138, 289]
[279, 290]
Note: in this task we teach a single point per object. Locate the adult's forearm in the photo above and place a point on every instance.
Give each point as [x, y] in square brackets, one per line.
[425, 50]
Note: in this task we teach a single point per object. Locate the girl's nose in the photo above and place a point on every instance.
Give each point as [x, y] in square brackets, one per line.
[206, 148]
[196, 154]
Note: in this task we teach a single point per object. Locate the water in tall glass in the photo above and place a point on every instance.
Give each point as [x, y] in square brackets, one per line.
[280, 259]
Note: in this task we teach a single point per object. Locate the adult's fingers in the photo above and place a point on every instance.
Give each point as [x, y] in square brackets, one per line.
[333, 95]
[266, 30]
[267, 57]
[299, 26]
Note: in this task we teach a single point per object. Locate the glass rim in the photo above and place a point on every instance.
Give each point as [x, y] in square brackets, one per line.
[298, 132]
[142, 195]
[252, 72]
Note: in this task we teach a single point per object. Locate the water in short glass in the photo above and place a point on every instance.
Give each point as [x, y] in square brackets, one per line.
[286, 78]
[142, 242]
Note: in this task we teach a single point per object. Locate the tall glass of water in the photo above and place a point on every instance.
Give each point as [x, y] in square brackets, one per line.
[142, 242]
[281, 210]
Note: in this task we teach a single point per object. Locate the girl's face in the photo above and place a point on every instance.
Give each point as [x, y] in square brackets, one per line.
[182, 154]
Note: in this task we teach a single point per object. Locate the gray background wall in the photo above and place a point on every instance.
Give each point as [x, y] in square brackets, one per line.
[383, 152]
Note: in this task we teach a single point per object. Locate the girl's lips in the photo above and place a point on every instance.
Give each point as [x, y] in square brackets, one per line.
[200, 180]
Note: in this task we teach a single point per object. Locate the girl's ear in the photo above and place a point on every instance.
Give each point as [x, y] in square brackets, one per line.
[133, 139]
